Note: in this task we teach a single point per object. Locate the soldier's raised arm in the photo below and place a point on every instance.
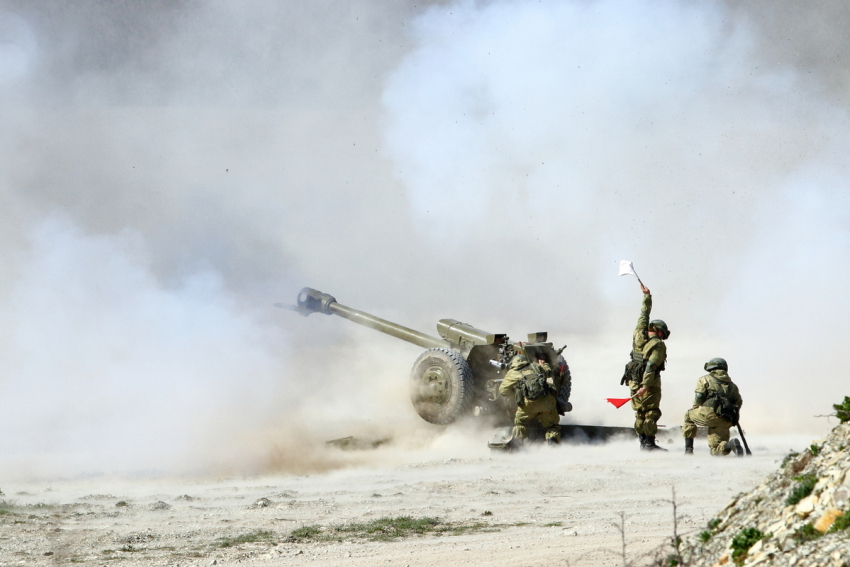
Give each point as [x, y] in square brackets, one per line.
[639, 338]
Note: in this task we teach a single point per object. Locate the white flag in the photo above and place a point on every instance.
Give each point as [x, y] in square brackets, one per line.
[627, 269]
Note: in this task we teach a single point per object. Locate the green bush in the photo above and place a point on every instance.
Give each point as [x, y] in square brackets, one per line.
[389, 529]
[842, 410]
[705, 536]
[842, 522]
[806, 532]
[742, 543]
[307, 532]
[806, 484]
[814, 450]
[788, 458]
[259, 535]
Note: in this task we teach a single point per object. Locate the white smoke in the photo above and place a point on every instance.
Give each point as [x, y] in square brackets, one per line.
[168, 172]
[651, 131]
[105, 369]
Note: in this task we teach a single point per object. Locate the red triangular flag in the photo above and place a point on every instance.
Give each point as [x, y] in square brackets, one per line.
[618, 402]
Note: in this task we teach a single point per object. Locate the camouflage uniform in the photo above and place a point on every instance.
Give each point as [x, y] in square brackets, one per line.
[543, 409]
[716, 382]
[654, 352]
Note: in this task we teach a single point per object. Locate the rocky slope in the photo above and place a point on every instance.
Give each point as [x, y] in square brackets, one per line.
[798, 516]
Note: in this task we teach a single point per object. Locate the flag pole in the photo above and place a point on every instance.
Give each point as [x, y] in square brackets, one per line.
[637, 276]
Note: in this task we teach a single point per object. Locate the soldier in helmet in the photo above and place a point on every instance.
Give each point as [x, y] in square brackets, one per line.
[529, 382]
[717, 404]
[643, 373]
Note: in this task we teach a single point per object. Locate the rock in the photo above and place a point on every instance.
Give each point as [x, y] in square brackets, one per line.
[159, 506]
[840, 496]
[261, 503]
[764, 509]
[806, 506]
[827, 519]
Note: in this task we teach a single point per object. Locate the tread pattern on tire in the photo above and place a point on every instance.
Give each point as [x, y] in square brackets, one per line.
[566, 385]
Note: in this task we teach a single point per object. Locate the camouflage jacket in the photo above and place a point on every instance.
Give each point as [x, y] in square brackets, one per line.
[717, 382]
[652, 350]
[518, 370]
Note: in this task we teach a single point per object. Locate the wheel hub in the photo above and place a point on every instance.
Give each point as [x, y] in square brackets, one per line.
[436, 385]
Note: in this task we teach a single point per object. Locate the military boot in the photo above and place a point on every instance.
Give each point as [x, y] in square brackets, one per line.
[734, 446]
[553, 441]
[689, 445]
[650, 444]
[642, 438]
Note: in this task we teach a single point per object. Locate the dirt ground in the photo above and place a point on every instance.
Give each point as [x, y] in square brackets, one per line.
[543, 506]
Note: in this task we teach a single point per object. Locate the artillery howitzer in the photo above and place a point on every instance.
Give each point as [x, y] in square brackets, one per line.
[460, 372]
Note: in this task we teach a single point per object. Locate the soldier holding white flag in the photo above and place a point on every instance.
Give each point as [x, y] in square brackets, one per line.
[643, 372]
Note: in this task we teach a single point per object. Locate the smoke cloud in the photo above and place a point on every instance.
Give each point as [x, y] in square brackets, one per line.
[571, 135]
[167, 172]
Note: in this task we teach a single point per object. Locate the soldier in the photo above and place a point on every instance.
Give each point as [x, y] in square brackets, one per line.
[717, 404]
[536, 400]
[643, 373]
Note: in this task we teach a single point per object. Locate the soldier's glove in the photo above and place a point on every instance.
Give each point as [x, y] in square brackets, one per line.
[624, 381]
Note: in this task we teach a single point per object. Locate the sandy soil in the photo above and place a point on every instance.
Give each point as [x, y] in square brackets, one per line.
[543, 506]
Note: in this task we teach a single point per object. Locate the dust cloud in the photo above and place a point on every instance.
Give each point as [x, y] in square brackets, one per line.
[169, 171]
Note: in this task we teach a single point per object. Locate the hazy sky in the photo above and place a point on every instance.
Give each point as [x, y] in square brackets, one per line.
[168, 170]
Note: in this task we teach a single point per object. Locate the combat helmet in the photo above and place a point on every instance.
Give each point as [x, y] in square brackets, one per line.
[715, 364]
[661, 326]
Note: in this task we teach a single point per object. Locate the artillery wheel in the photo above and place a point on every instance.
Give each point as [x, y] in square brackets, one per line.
[441, 385]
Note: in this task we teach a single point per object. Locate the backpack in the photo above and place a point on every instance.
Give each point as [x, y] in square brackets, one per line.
[722, 404]
[532, 386]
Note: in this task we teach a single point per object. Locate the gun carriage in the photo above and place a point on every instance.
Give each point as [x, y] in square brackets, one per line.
[460, 372]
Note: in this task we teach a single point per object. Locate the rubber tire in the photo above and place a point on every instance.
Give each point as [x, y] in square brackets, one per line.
[444, 372]
[566, 387]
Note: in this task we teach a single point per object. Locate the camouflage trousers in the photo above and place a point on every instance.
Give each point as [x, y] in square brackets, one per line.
[647, 410]
[718, 428]
[543, 410]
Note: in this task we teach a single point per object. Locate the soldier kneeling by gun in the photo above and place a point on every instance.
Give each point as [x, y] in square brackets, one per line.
[532, 384]
[717, 405]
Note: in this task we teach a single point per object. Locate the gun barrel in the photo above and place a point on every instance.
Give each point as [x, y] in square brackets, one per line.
[313, 301]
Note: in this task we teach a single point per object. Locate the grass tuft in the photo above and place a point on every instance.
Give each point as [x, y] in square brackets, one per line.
[806, 532]
[129, 549]
[251, 537]
[842, 522]
[788, 458]
[742, 543]
[385, 529]
[307, 532]
[806, 484]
